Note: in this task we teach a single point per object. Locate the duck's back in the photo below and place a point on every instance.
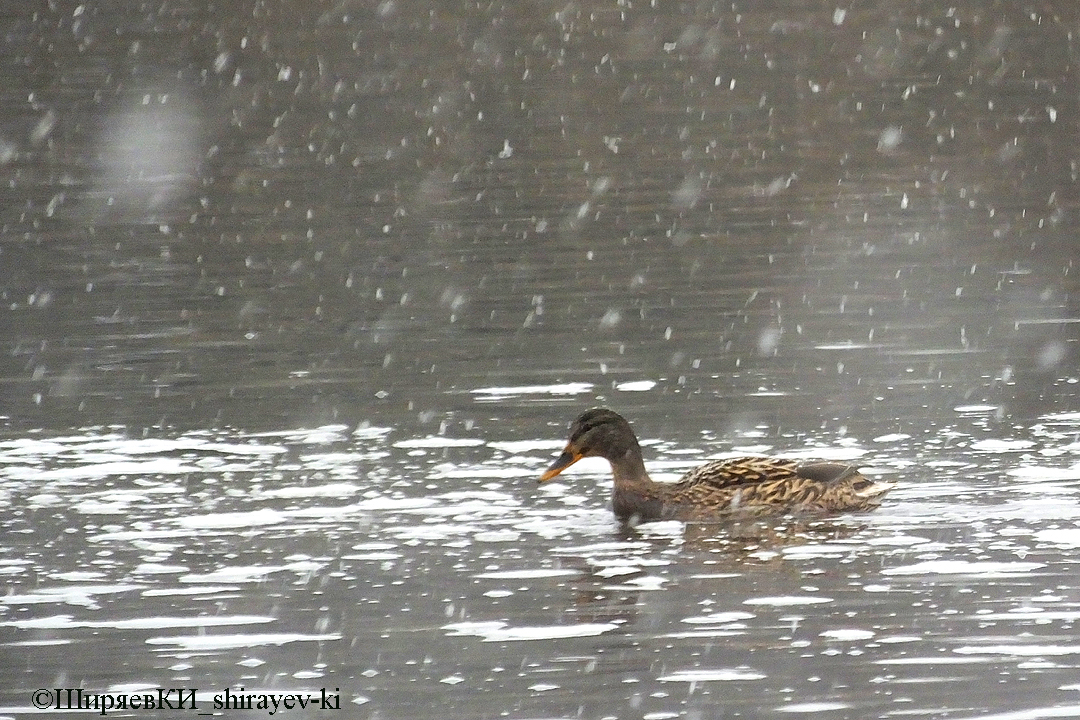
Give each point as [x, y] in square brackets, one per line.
[771, 484]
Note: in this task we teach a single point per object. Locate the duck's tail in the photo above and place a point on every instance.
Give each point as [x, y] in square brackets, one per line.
[870, 489]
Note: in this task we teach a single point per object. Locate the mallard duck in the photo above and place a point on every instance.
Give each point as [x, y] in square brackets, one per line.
[744, 485]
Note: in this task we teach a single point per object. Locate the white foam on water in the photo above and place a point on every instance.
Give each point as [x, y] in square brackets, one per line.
[226, 642]
[154, 446]
[556, 389]
[499, 631]
[995, 445]
[141, 468]
[371, 432]
[147, 568]
[1057, 711]
[673, 529]
[321, 435]
[383, 556]
[1037, 473]
[437, 441]
[95, 456]
[59, 622]
[335, 490]
[964, 567]
[32, 447]
[572, 523]
[877, 588]
[253, 518]
[697, 675]
[897, 540]
[719, 617]
[516, 447]
[939, 660]
[740, 450]
[435, 531]
[201, 590]
[608, 571]
[1018, 650]
[708, 632]
[78, 575]
[1029, 614]
[788, 600]
[139, 535]
[600, 548]
[81, 595]
[851, 345]
[1065, 537]
[827, 453]
[647, 582]
[472, 509]
[812, 707]
[894, 639]
[527, 574]
[892, 437]
[97, 507]
[374, 546]
[847, 634]
[391, 503]
[817, 550]
[36, 643]
[497, 536]
[636, 386]
[504, 472]
[248, 573]
[1067, 417]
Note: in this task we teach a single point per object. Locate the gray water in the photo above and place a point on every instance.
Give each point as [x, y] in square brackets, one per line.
[298, 301]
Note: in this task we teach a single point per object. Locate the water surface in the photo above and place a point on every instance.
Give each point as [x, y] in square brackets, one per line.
[298, 300]
[426, 575]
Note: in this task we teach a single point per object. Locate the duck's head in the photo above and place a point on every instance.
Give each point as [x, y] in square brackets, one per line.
[598, 433]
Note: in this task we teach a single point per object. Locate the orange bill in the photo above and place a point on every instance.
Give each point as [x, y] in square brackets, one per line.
[564, 461]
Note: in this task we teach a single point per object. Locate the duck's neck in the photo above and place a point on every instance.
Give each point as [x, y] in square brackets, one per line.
[629, 470]
[634, 495]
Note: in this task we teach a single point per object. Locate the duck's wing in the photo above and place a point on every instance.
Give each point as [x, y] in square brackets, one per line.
[775, 482]
[739, 473]
[736, 484]
[826, 472]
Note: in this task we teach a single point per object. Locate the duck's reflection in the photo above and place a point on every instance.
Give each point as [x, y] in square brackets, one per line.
[616, 581]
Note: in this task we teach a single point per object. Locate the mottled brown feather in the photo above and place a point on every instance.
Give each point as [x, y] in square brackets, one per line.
[744, 485]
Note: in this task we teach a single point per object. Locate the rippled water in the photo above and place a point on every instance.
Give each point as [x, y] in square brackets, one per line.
[427, 576]
[298, 299]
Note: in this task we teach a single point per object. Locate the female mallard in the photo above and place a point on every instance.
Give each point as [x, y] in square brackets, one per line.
[751, 485]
